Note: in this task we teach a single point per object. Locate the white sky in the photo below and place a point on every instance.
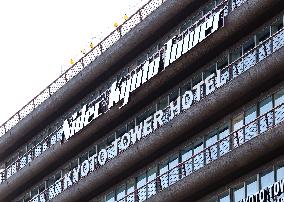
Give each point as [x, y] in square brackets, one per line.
[39, 37]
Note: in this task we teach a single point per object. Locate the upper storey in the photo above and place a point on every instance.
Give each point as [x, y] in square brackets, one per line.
[90, 71]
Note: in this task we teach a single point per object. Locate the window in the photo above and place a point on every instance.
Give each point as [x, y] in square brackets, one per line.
[267, 179]
[224, 198]
[251, 187]
[173, 170]
[209, 71]
[265, 45]
[142, 189]
[238, 130]
[187, 162]
[224, 145]
[280, 173]
[163, 175]
[212, 151]
[280, 176]
[151, 186]
[266, 120]
[248, 45]
[251, 124]
[239, 193]
[198, 157]
[110, 197]
[237, 63]
[121, 192]
[277, 25]
[249, 58]
[130, 190]
[279, 104]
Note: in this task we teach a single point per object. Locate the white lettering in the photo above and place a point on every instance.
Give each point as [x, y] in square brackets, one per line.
[187, 100]
[147, 126]
[102, 157]
[85, 168]
[157, 122]
[209, 82]
[125, 141]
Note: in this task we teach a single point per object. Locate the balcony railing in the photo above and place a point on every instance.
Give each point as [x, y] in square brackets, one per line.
[88, 58]
[256, 127]
[237, 138]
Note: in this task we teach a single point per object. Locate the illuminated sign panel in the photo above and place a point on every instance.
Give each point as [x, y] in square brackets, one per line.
[120, 90]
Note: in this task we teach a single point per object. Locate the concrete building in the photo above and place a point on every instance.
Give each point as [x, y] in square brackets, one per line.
[182, 102]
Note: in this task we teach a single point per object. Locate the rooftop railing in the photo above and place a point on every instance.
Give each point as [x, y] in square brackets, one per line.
[89, 57]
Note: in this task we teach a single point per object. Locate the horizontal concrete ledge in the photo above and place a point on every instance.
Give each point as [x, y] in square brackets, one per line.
[60, 154]
[179, 128]
[127, 48]
[197, 184]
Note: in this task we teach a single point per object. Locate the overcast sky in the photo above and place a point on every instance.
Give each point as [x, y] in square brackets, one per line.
[39, 37]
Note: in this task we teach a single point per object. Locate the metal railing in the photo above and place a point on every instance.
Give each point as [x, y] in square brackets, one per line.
[89, 57]
[31, 154]
[249, 59]
[237, 138]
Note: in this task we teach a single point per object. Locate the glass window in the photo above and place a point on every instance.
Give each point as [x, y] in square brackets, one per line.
[279, 104]
[142, 189]
[251, 124]
[173, 170]
[224, 198]
[267, 179]
[120, 192]
[250, 56]
[174, 95]
[208, 7]
[237, 62]
[265, 105]
[262, 35]
[196, 17]
[280, 176]
[209, 71]
[235, 54]
[239, 193]
[266, 121]
[251, 187]
[164, 175]
[277, 25]
[238, 130]
[279, 97]
[212, 151]
[222, 63]
[280, 173]
[151, 186]
[198, 157]
[110, 197]
[130, 191]
[187, 161]
[163, 103]
[248, 45]
[185, 88]
[224, 145]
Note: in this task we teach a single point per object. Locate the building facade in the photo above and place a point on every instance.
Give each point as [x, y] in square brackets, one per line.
[182, 102]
